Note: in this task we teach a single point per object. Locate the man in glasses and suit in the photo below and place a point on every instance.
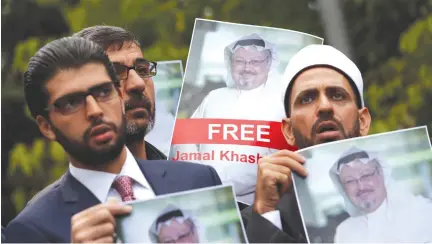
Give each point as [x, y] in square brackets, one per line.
[73, 92]
[135, 74]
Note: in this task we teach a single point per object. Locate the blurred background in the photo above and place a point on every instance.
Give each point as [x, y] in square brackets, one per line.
[406, 154]
[168, 82]
[390, 40]
[214, 211]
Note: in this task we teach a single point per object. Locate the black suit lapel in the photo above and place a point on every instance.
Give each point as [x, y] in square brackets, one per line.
[155, 174]
[76, 196]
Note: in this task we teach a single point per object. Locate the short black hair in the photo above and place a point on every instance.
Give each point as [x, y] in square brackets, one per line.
[108, 36]
[60, 54]
[287, 95]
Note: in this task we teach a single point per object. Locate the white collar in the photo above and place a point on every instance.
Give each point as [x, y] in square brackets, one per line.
[99, 183]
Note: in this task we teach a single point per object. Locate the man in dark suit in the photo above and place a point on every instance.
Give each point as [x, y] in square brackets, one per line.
[73, 93]
[323, 103]
[136, 84]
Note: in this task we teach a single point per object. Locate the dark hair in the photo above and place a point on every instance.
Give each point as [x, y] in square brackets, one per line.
[60, 54]
[287, 96]
[108, 36]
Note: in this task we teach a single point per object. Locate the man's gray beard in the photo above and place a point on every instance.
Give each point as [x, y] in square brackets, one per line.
[136, 133]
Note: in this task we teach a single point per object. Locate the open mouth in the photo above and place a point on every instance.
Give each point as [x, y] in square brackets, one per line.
[138, 112]
[327, 127]
[101, 134]
[99, 130]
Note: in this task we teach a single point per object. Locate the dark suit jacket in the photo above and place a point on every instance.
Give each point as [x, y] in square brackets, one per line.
[260, 230]
[47, 217]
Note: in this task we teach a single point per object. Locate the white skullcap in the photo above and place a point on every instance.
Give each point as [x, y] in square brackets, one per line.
[351, 155]
[169, 213]
[321, 55]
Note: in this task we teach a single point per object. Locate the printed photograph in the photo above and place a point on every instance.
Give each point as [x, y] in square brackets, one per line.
[208, 215]
[376, 188]
[167, 82]
[234, 73]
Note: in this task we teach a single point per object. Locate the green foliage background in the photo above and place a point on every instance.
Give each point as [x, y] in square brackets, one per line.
[391, 40]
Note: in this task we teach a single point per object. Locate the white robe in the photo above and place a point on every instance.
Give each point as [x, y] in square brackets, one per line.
[408, 221]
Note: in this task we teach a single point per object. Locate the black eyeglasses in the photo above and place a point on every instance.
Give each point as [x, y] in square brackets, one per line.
[143, 67]
[74, 102]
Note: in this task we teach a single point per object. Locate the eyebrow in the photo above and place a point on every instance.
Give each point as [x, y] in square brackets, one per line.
[315, 91]
[87, 90]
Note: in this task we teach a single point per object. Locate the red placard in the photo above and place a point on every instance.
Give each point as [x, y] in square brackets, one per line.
[230, 131]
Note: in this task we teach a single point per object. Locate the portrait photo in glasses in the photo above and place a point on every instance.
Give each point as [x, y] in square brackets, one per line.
[234, 72]
[368, 189]
[207, 215]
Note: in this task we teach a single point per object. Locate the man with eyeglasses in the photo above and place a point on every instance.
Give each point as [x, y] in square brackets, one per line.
[72, 91]
[253, 92]
[135, 74]
[173, 225]
[380, 208]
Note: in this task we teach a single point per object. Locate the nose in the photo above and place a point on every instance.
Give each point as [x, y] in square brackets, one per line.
[248, 66]
[94, 111]
[325, 107]
[134, 83]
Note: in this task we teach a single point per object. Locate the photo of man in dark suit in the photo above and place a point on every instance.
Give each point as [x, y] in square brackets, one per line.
[73, 92]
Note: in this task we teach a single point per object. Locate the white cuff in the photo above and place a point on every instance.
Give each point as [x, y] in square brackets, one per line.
[274, 218]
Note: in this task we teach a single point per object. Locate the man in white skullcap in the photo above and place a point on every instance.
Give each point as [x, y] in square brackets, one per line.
[381, 209]
[174, 225]
[323, 102]
[253, 92]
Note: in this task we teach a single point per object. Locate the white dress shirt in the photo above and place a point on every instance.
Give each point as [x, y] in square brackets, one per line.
[274, 218]
[100, 183]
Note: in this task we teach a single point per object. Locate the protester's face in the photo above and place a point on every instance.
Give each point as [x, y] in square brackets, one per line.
[250, 67]
[94, 134]
[364, 185]
[178, 233]
[323, 109]
[138, 93]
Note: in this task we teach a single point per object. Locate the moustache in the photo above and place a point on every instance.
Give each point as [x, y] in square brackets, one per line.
[327, 119]
[248, 73]
[95, 123]
[361, 192]
[138, 101]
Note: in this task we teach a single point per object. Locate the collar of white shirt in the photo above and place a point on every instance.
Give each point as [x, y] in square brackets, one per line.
[99, 183]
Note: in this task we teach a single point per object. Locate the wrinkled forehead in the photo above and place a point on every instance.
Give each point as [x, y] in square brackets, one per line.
[125, 55]
[250, 52]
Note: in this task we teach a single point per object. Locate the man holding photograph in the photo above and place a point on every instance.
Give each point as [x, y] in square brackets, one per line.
[323, 103]
[380, 208]
[72, 91]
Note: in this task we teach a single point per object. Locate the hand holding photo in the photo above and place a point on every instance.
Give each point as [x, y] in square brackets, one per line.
[208, 215]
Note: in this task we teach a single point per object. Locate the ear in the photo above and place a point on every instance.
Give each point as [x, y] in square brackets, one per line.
[45, 127]
[365, 120]
[287, 131]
